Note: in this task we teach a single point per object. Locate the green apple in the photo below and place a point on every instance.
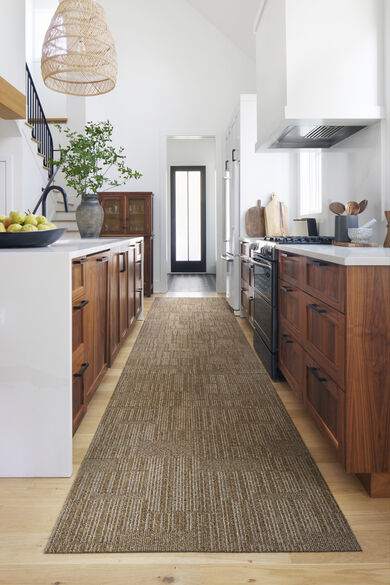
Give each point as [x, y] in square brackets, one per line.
[2, 218]
[43, 226]
[41, 219]
[28, 227]
[30, 220]
[2, 228]
[17, 217]
[52, 226]
[14, 227]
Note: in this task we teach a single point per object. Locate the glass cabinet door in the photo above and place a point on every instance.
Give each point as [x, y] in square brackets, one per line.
[113, 214]
[136, 215]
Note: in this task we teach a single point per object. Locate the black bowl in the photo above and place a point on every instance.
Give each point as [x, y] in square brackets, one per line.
[30, 239]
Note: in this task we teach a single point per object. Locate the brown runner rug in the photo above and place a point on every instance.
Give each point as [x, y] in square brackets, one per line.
[196, 452]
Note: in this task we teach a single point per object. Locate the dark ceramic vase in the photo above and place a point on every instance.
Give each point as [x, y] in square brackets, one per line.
[89, 216]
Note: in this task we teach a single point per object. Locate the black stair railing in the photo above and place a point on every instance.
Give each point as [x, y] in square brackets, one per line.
[40, 128]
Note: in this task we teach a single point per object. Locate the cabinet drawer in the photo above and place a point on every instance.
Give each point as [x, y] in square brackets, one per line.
[325, 337]
[291, 268]
[325, 402]
[244, 249]
[291, 307]
[247, 298]
[247, 272]
[291, 359]
[325, 281]
[78, 276]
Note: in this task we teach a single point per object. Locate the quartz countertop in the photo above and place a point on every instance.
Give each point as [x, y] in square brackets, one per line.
[341, 255]
[71, 248]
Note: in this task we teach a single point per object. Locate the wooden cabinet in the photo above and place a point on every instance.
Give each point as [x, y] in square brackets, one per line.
[79, 337]
[131, 214]
[325, 401]
[325, 281]
[106, 300]
[96, 321]
[340, 319]
[247, 282]
[325, 336]
[125, 294]
[291, 268]
[291, 358]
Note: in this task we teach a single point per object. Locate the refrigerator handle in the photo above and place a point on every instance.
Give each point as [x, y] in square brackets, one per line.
[226, 165]
[234, 154]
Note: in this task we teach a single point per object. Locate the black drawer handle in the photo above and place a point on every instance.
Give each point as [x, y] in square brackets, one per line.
[286, 339]
[84, 367]
[138, 290]
[317, 263]
[287, 255]
[316, 375]
[82, 261]
[251, 299]
[102, 259]
[80, 306]
[286, 289]
[317, 309]
[123, 254]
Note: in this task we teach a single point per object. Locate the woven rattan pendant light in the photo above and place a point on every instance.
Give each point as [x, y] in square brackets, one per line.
[78, 53]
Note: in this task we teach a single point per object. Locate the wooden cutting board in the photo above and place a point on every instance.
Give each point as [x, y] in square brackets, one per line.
[276, 217]
[255, 221]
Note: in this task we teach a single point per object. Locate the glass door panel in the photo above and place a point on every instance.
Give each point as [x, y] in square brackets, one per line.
[188, 235]
[112, 215]
[136, 215]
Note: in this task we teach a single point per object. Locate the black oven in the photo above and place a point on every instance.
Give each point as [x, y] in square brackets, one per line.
[265, 313]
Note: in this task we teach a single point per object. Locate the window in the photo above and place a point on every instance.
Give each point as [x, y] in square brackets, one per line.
[310, 176]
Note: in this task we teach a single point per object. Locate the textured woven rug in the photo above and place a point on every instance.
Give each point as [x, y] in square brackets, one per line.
[196, 452]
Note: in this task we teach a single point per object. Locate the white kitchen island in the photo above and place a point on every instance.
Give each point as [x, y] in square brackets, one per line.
[36, 356]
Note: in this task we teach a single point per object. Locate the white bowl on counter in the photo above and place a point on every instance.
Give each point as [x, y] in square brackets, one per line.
[360, 235]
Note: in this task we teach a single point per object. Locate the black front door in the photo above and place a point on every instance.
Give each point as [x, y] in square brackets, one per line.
[188, 219]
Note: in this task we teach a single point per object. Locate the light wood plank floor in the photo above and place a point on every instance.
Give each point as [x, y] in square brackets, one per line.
[29, 508]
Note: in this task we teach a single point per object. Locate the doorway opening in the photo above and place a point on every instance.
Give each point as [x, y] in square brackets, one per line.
[192, 217]
[188, 219]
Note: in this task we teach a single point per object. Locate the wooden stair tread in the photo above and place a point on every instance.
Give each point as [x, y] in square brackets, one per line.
[69, 202]
[29, 125]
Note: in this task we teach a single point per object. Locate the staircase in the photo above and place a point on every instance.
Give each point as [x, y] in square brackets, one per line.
[42, 136]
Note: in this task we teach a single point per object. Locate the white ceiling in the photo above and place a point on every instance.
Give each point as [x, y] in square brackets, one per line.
[235, 18]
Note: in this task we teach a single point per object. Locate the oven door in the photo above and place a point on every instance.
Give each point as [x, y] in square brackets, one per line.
[263, 273]
[265, 321]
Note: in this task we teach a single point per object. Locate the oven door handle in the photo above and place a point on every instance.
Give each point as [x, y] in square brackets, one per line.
[262, 264]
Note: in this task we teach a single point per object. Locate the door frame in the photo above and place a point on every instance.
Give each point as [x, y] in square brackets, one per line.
[189, 266]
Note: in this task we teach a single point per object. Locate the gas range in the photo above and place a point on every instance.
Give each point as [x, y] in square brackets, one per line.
[266, 247]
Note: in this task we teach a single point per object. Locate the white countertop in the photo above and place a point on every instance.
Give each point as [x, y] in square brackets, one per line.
[71, 248]
[341, 255]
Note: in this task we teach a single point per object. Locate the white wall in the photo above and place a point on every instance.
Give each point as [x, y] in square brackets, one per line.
[198, 153]
[12, 43]
[178, 75]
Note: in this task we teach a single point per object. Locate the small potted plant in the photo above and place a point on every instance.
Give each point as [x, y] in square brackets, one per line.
[91, 164]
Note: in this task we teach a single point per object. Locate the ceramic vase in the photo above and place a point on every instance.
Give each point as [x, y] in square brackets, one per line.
[89, 216]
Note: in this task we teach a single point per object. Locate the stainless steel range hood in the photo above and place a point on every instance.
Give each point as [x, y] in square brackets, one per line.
[314, 136]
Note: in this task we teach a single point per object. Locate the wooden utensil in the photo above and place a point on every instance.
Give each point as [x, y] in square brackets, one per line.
[337, 208]
[387, 240]
[363, 205]
[276, 217]
[352, 208]
[255, 221]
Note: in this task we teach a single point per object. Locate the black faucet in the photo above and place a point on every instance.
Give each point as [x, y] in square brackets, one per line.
[46, 193]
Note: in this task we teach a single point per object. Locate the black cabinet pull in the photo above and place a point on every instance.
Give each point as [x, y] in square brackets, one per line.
[226, 165]
[316, 375]
[82, 261]
[81, 305]
[84, 367]
[317, 263]
[286, 254]
[286, 289]
[251, 298]
[317, 309]
[102, 259]
[286, 339]
[138, 290]
[234, 154]
[123, 254]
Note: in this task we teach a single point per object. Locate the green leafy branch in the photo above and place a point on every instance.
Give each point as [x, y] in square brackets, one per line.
[89, 156]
